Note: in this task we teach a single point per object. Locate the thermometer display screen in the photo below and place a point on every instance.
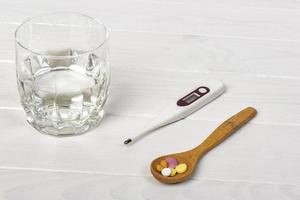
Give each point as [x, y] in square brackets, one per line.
[192, 97]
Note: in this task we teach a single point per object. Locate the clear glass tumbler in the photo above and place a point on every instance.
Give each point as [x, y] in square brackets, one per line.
[62, 71]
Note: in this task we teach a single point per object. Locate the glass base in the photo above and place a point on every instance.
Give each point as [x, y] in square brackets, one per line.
[67, 128]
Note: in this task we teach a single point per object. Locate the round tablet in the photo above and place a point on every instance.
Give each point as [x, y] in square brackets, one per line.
[163, 163]
[173, 172]
[172, 162]
[181, 168]
[166, 171]
[159, 168]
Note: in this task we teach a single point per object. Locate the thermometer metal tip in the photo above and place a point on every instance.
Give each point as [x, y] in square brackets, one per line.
[127, 141]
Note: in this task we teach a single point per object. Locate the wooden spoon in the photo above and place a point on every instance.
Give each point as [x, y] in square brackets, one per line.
[191, 157]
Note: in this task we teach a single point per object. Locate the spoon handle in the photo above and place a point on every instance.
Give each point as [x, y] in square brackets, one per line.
[224, 130]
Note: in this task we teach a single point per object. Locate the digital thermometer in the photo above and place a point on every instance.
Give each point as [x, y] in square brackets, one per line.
[185, 105]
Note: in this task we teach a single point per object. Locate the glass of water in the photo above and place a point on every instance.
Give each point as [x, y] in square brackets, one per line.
[62, 71]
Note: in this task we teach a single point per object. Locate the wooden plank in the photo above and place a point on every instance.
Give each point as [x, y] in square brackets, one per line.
[263, 93]
[144, 93]
[257, 4]
[191, 53]
[173, 18]
[34, 185]
[255, 153]
[205, 54]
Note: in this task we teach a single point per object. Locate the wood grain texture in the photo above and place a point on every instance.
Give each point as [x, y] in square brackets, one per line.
[190, 53]
[158, 49]
[132, 89]
[36, 185]
[223, 131]
[191, 157]
[173, 18]
[252, 154]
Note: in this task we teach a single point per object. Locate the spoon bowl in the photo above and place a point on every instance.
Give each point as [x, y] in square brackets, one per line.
[191, 157]
[178, 177]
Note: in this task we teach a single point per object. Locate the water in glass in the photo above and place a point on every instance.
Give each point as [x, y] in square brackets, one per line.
[64, 95]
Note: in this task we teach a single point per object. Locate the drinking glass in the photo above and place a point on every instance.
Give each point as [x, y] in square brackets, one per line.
[62, 71]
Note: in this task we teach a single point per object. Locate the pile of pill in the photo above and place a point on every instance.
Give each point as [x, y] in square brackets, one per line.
[170, 167]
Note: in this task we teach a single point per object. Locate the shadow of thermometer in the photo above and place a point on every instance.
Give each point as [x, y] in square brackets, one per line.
[186, 104]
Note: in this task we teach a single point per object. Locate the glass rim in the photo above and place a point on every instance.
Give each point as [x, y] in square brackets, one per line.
[99, 22]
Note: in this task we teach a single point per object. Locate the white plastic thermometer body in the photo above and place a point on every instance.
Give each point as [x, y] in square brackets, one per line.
[185, 105]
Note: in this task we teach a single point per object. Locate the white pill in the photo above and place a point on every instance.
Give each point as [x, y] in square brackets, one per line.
[166, 171]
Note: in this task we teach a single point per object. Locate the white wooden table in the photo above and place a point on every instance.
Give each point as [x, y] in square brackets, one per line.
[158, 48]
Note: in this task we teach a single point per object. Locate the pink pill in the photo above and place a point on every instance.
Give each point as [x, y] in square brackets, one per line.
[172, 162]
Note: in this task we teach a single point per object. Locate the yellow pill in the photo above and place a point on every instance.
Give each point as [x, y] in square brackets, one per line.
[181, 168]
[159, 168]
[173, 172]
[163, 163]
